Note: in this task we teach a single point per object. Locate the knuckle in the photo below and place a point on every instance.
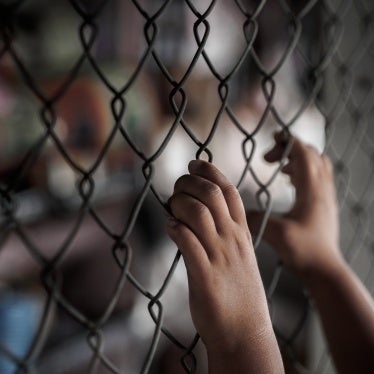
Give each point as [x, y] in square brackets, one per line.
[211, 189]
[231, 192]
[183, 205]
[181, 181]
[204, 167]
[199, 210]
[209, 171]
[313, 170]
[177, 203]
[313, 164]
[243, 235]
[309, 152]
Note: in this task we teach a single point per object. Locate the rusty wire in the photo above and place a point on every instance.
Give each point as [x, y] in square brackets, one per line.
[326, 63]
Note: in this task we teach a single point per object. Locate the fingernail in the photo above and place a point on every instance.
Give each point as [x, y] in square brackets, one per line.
[172, 222]
[268, 154]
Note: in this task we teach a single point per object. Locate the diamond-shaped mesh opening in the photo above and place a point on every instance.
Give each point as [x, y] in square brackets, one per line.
[102, 105]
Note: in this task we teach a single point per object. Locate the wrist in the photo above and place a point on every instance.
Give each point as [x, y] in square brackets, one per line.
[232, 345]
[329, 270]
[259, 349]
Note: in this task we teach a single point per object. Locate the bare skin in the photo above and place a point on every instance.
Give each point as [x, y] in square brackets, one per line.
[227, 298]
[307, 241]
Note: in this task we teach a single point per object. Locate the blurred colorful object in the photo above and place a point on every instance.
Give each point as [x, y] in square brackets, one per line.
[19, 319]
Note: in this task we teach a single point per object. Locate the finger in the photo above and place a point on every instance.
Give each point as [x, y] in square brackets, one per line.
[301, 151]
[288, 169]
[297, 148]
[194, 255]
[303, 158]
[233, 200]
[196, 216]
[208, 193]
[282, 137]
[291, 170]
[280, 150]
[275, 154]
[308, 165]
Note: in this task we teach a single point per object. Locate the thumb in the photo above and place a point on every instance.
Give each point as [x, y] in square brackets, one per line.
[274, 229]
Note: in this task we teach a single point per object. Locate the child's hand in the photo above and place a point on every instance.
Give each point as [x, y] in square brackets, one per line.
[307, 237]
[227, 300]
[307, 240]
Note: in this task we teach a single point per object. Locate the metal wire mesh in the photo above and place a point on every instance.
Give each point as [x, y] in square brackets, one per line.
[201, 79]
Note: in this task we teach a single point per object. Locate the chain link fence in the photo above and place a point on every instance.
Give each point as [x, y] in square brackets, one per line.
[102, 105]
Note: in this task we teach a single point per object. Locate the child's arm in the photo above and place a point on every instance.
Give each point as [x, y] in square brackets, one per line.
[307, 240]
[227, 299]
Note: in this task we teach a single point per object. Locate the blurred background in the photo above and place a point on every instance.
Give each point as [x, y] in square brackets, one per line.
[103, 104]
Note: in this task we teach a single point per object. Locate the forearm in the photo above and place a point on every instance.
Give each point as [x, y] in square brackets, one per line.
[259, 354]
[347, 315]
